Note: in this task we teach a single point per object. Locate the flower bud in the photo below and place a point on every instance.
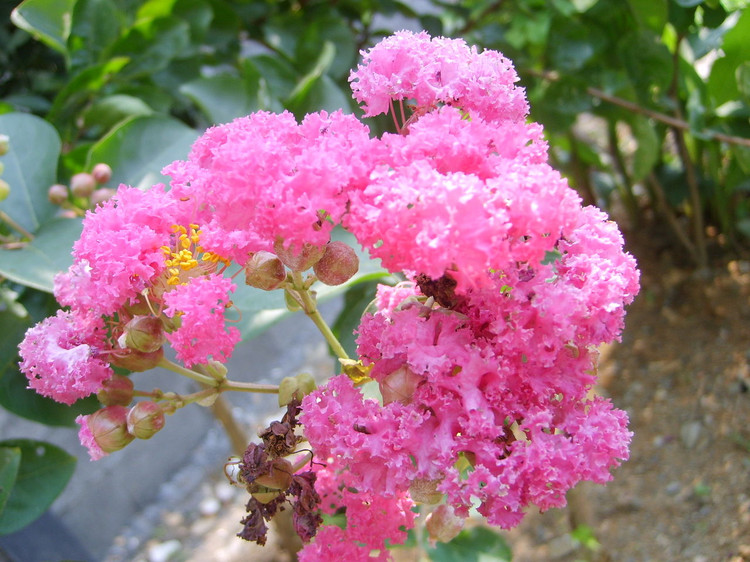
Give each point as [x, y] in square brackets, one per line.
[137, 361]
[425, 491]
[291, 388]
[57, 194]
[399, 386]
[4, 189]
[82, 185]
[145, 419]
[116, 391]
[338, 264]
[265, 271]
[443, 524]
[101, 195]
[109, 427]
[4, 144]
[144, 334]
[102, 173]
[298, 259]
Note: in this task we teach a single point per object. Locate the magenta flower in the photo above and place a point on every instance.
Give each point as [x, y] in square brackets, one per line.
[199, 307]
[265, 177]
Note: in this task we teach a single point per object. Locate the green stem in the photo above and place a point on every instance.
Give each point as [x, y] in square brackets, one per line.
[248, 387]
[311, 309]
[180, 370]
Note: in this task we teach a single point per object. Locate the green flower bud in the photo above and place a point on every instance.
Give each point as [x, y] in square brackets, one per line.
[265, 271]
[137, 361]
[338, 264]
[116, 391]
[110, 428]
[82, 185]
[4, 144]
[298, 387]
[145, 419]
[4, 189]
[144, 334]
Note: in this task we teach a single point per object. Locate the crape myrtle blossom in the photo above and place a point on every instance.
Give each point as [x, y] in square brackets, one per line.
[265, 177]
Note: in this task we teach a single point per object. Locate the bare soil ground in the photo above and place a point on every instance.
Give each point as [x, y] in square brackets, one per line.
[682, 372]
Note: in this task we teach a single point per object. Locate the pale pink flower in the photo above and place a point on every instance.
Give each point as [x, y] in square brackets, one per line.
[86, 437]
[60, 356]
[198, 308]
[413, 66]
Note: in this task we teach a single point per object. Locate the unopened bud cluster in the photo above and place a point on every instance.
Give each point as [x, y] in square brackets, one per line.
[86, 189]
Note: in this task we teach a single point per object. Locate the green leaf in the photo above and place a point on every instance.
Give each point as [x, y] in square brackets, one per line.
[49, 21]
[36, 264]
[304, 86]
[356, 301]
[478, 544]
[722, 83]
[107, 112]
[139, 148]
[223, 97]
[43, 473]
[648, 63]
[10, 461]
[328, 29]
[30, 168]
[279, 75]
[152, 44]
[96, 25]
[650, 13]
[647, 152]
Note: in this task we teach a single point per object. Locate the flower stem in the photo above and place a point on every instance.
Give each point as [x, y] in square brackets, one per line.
[189, 373]
[248, 387]
[311, 309]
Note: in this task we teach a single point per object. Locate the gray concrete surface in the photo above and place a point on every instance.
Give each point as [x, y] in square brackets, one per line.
[105, 497]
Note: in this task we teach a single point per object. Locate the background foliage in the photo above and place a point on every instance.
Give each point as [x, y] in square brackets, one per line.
[645, 105]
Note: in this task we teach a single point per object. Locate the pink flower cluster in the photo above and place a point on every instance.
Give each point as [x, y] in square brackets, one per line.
[484, 358]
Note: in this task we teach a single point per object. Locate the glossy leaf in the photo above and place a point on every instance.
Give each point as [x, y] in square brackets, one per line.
[36, 264]
[139, 148]
[43, 473]
[722, 83]
[10, 461]
[223, 97]
[30, 168]
[478, 544]
[47, 20]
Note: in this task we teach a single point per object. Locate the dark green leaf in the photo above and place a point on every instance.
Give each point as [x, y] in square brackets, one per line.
[30, 168]
[10, 461]
[223, 97]
[47, 20]
[722, 83]
[43, 473]
[36, 264]
[107, 112]
[96, 25]
[647, 148]
[650, 13]
[152, 45]
[333, 29]
[570, 46]
[356, 301]
[648, 63]
[478, 544]
[138, 149]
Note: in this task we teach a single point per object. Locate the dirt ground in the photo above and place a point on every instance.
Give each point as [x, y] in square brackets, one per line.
[682, 372]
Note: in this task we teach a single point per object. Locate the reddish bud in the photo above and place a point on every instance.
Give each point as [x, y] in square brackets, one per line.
[265, 271]
[116, 391]
[298, 259]
[102, 173]
[109, 428]
[144, 334]
[399, 386]
[145, 419]
[101, 195]
[443, 524]
[338, 264]
[82, 185]
[57, 194]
